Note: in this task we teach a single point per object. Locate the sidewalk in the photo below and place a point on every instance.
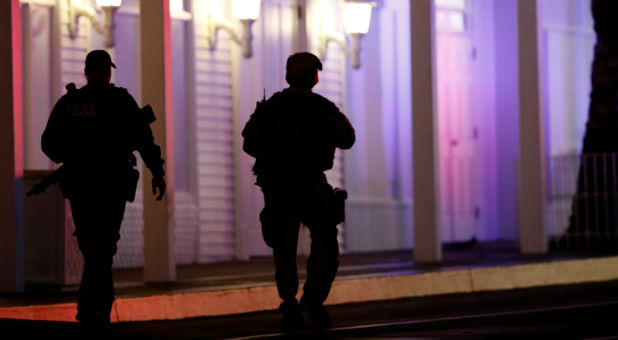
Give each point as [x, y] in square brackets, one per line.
[248, 286]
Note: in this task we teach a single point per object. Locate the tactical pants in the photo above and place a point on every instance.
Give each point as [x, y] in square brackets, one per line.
[97, 220]
[284, 210]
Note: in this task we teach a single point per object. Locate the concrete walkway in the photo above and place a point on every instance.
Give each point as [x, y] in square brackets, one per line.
[248, 286]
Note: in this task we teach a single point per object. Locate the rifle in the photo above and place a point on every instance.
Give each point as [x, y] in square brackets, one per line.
[40, 187]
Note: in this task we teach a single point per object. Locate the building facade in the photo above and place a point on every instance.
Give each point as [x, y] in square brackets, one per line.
[462, 123]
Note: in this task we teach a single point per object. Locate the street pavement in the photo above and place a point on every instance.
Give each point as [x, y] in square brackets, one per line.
[582, 311]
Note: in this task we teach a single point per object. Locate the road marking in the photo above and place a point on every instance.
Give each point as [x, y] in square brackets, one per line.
[414, 322]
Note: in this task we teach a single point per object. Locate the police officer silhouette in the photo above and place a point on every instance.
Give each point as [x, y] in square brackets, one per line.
[93, 132]
[293, 136]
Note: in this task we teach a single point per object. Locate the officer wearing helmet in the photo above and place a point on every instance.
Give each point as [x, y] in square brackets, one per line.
[293, 136]
[93, 132]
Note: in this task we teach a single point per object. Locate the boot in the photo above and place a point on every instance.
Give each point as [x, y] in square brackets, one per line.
[291, 318]
[317, 313]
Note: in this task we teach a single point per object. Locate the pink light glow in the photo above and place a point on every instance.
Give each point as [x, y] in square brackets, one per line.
[17, 89]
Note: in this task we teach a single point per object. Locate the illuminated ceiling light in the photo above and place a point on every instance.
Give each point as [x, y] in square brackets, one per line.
[79, 8]
[246, 12]
[109, 3]
[356, 17]
[356, 20]
[246, 9]
[176, 6]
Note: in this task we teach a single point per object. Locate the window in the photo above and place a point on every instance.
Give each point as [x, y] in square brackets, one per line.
[454, 4]
[452, 15]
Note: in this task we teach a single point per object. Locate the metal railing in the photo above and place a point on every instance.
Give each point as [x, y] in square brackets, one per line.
[582, 204]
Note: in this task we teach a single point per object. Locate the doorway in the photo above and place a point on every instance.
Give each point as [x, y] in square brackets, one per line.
[458, 129]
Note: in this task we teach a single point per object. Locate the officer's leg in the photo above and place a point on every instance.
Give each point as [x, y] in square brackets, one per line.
[82, 217]
[281, 226]
[321, 270]
[323, 260]
[322, 264]
[86, 309]
[97, 286]
[101, 287]
[286, 275]
[97, 224]
[112, 214]
[284, 253]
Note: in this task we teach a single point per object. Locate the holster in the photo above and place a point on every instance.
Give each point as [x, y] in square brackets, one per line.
[338, 209]
[131, 186]
[132, 177]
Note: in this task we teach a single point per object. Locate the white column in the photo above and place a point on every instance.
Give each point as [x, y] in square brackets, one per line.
[11, 150]
[248, 84]
[427, 232]
[156, 60]
[532, 233]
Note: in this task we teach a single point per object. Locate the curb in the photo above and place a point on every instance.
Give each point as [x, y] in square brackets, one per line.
[344, 290]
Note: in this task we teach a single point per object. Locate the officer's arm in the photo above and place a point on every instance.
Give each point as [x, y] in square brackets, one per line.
[150, 152]
[343, 131]
[145, 145]
[144, 139]
[53, 141]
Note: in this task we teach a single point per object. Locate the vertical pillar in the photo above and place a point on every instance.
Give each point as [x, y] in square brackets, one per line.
[427, 230]
[532, 233]
[156, 61]
[11, 150]
[248, 76]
